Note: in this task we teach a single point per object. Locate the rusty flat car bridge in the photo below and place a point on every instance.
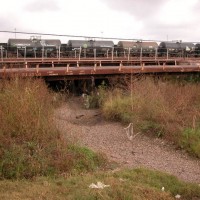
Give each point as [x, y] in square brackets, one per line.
[84, 68]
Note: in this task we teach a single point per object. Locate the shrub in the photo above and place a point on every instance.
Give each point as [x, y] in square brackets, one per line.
[190, 141]
[30, 145]
[162, 108]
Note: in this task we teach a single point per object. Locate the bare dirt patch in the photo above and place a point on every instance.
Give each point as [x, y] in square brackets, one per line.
[89, 128]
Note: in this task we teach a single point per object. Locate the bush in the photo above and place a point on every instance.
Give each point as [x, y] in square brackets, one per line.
[190, 141]
[30, 145]
[162, 108]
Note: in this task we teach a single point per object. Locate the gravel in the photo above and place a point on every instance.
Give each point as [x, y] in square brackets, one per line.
[88, 128]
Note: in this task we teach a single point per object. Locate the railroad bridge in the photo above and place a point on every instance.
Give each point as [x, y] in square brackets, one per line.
[85, 68]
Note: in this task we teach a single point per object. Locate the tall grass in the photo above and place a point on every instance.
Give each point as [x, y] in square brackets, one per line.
[30, 145]
[163, 108]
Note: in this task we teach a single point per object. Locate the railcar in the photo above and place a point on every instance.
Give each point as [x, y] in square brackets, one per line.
[33, 47]
[147, 48]
[37, 47]
[90, 48]
[176, 49]
[197, 50]
[125, 47]
[50, 47]
[3, 50]
[187, 49]
[138, 48]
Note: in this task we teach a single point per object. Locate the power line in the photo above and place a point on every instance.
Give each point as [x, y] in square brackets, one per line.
[84, 36]
[63, 35]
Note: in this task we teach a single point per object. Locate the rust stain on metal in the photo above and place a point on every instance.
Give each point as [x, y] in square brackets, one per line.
[86, 67]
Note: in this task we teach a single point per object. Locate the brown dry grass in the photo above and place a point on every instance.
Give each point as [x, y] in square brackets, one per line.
[163, 108]
[30, 145]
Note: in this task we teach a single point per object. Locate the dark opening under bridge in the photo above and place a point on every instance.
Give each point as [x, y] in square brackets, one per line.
[76, 68]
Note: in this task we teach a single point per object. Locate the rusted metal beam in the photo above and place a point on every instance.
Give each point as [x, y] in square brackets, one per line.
[88, 71]
[87, 67]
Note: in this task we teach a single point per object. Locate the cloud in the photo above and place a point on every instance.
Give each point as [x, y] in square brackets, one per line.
[162, 19]
[42, 5]
[140, 9]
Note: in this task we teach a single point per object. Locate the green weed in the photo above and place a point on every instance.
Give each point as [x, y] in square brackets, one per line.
[137, 184]
[190, 141]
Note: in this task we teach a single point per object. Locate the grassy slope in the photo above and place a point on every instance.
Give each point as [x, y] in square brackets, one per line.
[138, 184]
[31, 147]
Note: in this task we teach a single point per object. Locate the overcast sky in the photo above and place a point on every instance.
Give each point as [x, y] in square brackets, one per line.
[138, 19]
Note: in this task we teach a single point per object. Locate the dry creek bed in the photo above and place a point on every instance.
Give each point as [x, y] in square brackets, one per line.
[90, 129]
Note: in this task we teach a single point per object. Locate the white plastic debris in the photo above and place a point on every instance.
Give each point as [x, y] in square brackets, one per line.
[163, 189]
[130, 132]
[99, 185]
[178, 196]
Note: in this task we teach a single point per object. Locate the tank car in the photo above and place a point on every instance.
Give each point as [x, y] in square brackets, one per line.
[19, 47]
[49, 47]
[125, 47]
[64, 50]
[103, 47]
[138, 48]
[187, 49]
[90, 48]
[197, 50]
[33, 47]
[3, 50]
[148, 48]
[176, 49]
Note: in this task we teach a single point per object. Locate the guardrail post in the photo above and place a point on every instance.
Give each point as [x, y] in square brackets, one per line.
[80, 53]
[95, 54]
[120, 66]
[112, 52]
[35, 53]
[77, 64]
[26, 65]
[25, 52]
[37, 68]
[143, 64]
[95, 67]
[164, 65]
[141, 53]
[129, 50]
[107, 52]
[42, 53]
[59, 52]
[167, 54]
[156, 53]
[67, 67]
[75, 53]
[1, 53]
[17, 52]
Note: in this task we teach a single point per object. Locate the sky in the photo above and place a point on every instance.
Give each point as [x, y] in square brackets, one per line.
[133, 19]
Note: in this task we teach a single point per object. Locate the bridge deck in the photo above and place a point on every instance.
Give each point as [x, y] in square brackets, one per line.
[92, 67]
